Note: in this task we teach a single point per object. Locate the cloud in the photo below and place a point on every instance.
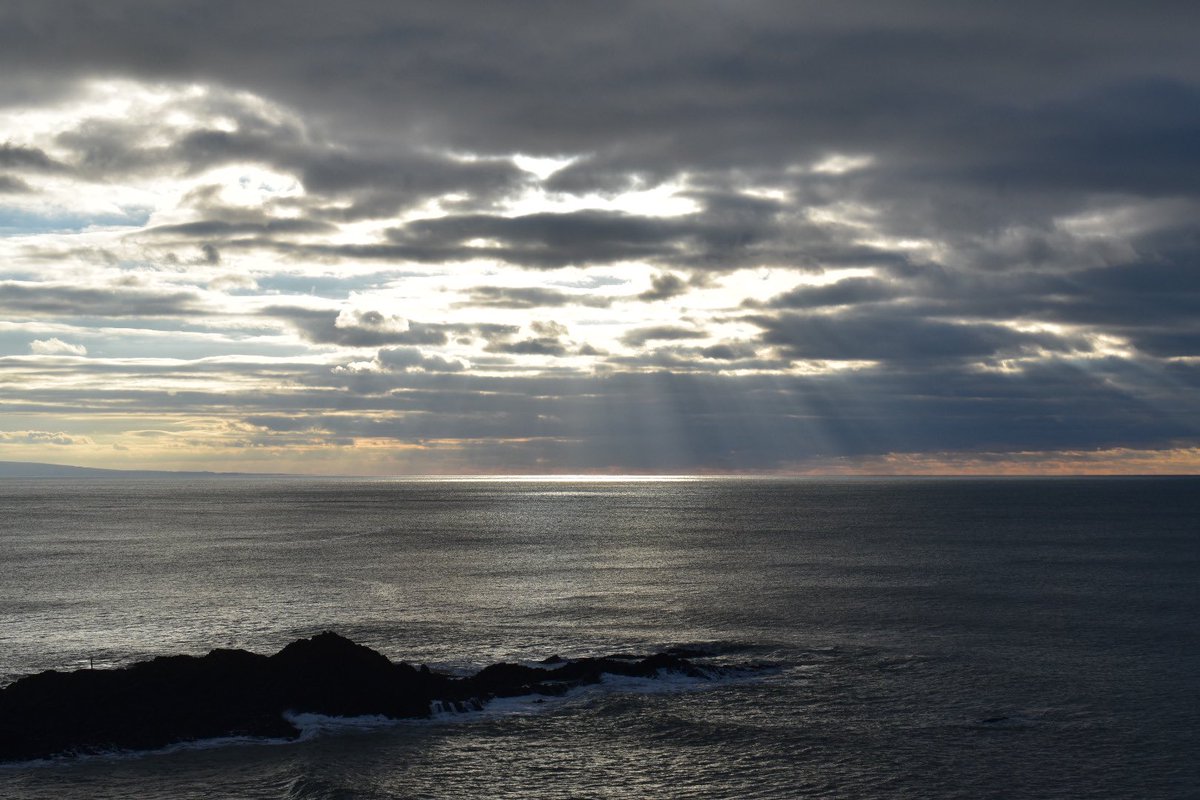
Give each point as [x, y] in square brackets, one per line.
[727, 233]
[849, 291]
[30, 159]
[730, 351]
[233, 282]
[405, 358]
[639, 336]
[56, 347]
[269, 136]
[358, 328]
[401, 359]
[10, 184]
[43, 437]
[539, 346]
[222, 228]
[661, 419]
[544, 240]
[855, 337]
[663, 287]
[369, 328]
[531, 297]
[895, 229]
[29, 298]
[549, 339]
[381, 186]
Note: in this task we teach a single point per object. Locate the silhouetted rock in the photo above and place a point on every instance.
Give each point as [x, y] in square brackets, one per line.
[173, 699]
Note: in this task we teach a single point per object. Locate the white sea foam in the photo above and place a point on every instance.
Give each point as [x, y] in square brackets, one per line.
[313, 725]
[663, 682]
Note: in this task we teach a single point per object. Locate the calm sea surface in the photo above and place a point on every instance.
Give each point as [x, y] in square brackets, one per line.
[925, 638]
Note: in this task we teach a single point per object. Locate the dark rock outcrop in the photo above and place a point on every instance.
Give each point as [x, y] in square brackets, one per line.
[153, 704]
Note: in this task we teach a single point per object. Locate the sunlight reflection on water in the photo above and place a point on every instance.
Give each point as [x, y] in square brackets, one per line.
[1043, 626]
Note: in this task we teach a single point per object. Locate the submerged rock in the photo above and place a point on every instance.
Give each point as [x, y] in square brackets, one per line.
[153, 704]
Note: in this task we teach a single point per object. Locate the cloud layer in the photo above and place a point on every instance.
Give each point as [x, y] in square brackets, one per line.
[600, 237]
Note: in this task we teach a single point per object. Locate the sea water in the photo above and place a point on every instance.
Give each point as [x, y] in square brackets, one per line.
[924, 638]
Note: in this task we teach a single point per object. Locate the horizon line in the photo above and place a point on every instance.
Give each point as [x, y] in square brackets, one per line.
[565, 477]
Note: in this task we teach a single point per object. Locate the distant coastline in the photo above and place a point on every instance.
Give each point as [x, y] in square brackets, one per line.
[33, 469]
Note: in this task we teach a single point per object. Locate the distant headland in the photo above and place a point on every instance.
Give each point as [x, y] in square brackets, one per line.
[31, 469]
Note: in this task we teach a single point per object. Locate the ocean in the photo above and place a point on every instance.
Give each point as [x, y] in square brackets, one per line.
[882, 638]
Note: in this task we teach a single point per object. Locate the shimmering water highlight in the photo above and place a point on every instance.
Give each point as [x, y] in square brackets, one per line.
[929, 638]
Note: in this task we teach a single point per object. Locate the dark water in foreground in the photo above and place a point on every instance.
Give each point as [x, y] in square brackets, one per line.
[929, 638]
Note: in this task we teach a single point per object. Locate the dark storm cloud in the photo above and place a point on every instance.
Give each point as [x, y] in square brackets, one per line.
[545, 240]
[1144, 301]
[849, 291]
[1133, 136]
[1156, 305]
[409, 176]
[933, 92]
[371, 183]
[710, 239]
[899, 337]
[581, 238]
[22, 299]
[751, 81]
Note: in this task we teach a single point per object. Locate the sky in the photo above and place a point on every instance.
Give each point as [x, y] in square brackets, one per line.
[385, 238]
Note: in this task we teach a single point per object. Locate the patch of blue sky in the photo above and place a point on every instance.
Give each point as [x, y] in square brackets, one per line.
[94, 325]
[186, 346]
[137, 265]
[333, 287]
[11, 272]
[134, 324]
[21, 222]
[16, 343]
[590, 282]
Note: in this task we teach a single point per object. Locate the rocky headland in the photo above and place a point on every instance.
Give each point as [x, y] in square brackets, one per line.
[173, 699]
